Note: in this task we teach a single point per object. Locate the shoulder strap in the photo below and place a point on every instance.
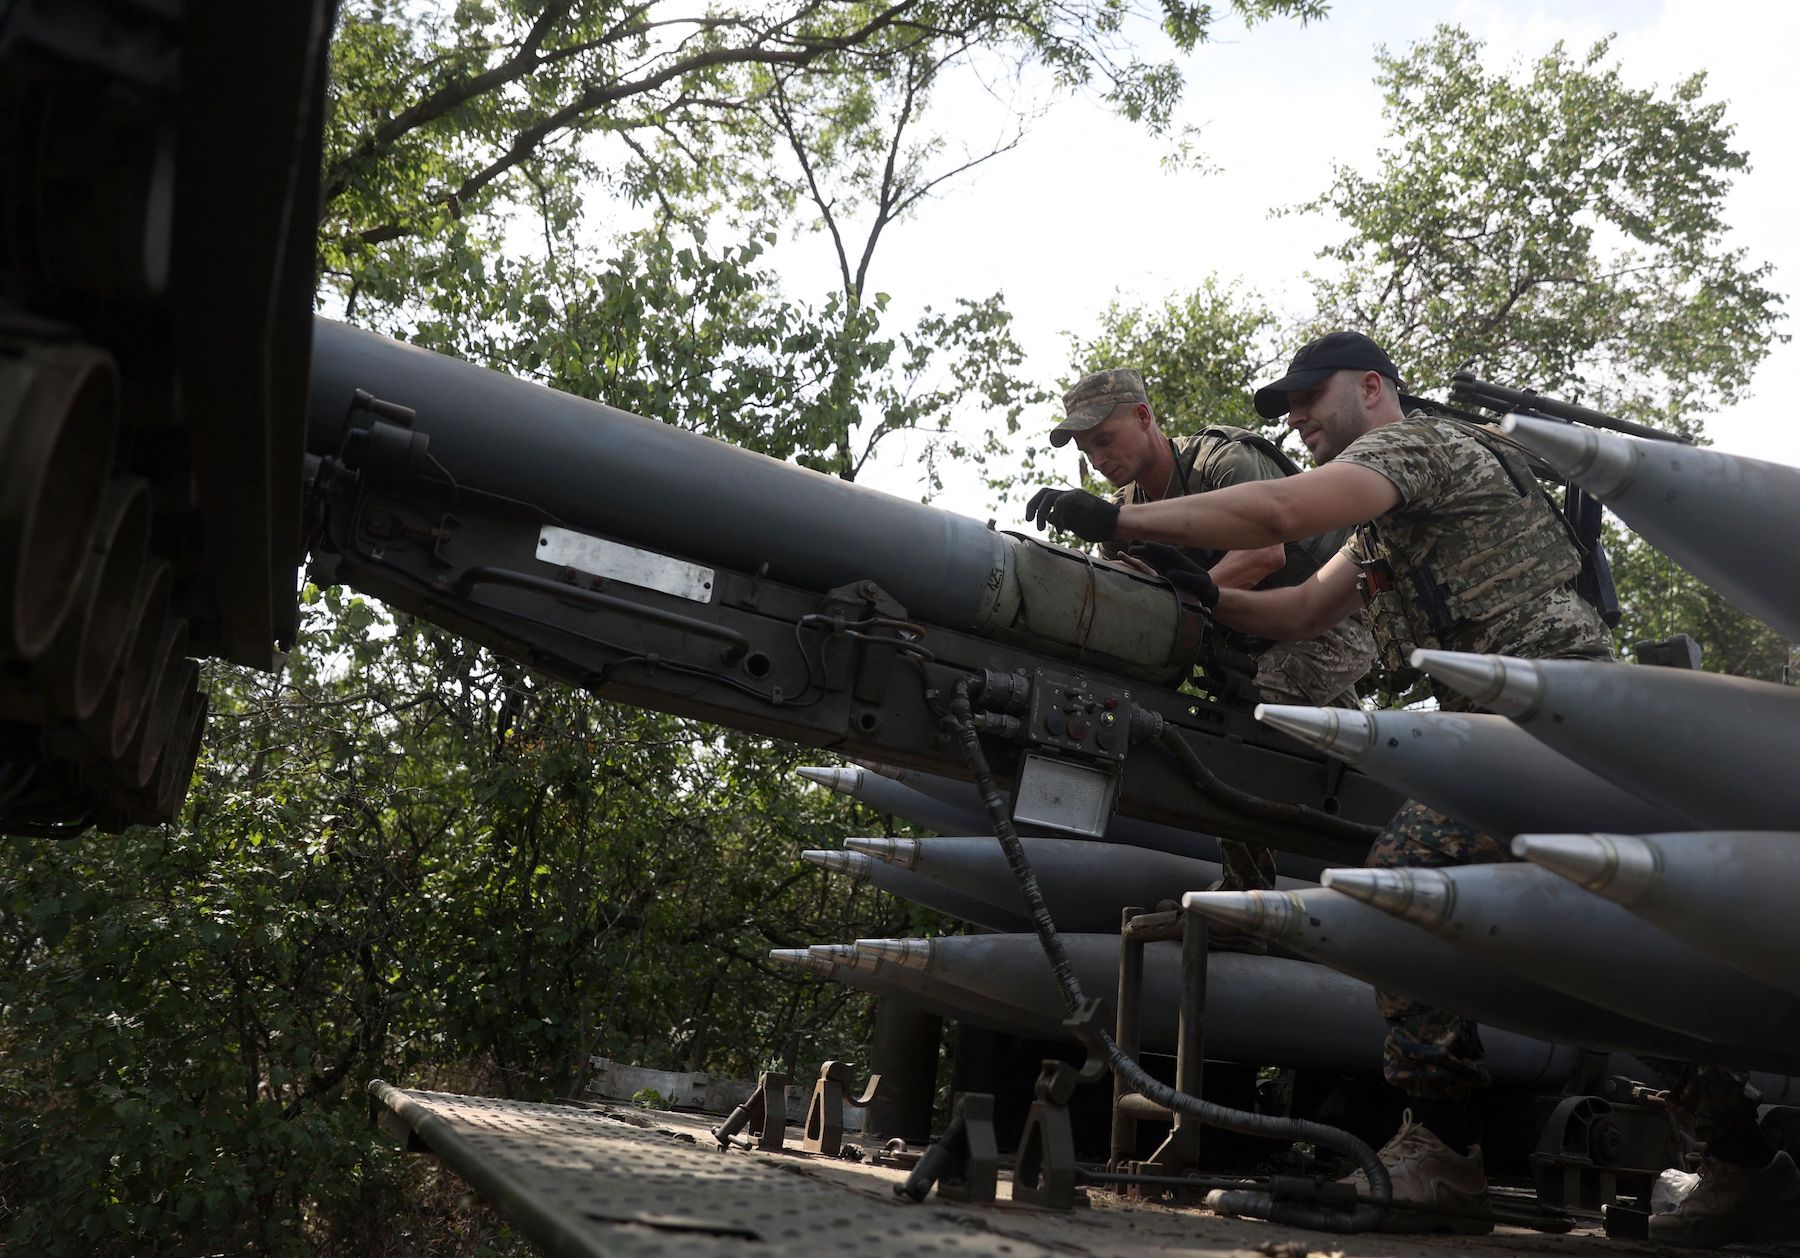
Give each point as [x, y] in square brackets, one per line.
[1255, 440]
[1519, 471]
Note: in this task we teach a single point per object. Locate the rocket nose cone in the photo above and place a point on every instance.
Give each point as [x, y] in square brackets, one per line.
[844, 781]
[832, 952]
[1422, 896]
[1510, 687]
[851, 864]
[1620, 867]
[1344, 732]
[912, 953]
[1599, 462]
[902, 852]
[1253, 912]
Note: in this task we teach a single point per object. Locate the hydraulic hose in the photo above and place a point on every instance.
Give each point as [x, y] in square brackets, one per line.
[960, 722]
[1214, 787]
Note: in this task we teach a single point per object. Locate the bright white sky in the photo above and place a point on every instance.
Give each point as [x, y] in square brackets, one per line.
[1083, 209]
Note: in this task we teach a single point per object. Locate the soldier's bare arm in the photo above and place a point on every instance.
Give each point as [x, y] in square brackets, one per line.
[1298, 611]
[1241, 569]
[1263, 513]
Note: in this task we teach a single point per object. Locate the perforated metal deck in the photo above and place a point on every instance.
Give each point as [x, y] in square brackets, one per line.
[585, 1181]
[622, 1183]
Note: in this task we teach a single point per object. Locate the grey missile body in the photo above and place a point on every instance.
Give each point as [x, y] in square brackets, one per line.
[916, 796]
[1084, 883]
[1728, 520]
[1730, 894]
[1715, 749]
[1362, 941]
[1470, 766]
[1262, 1010]
[888, 796]
[677, 492]
[842, 964]
[926, 892]
[1552, 932]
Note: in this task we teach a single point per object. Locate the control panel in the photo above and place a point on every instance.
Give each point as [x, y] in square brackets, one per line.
[1069, 713]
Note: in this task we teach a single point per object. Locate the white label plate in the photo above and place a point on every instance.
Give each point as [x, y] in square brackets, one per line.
[615, 561]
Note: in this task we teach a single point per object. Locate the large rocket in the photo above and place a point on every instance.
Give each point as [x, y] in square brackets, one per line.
[1553, 932]
[1727, 519]
[1730, 895]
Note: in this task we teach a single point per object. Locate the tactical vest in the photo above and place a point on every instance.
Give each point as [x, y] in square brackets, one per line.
[1301, 563]
[1449, 580]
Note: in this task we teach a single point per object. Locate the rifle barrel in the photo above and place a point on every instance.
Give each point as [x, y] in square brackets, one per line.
[1466, 390]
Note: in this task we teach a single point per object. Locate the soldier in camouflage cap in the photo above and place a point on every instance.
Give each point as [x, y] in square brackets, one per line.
[1108, 416]
[1095, 397]
[1455, 547]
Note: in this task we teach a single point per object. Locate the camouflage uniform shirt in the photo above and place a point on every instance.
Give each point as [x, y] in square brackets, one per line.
[1452, 484]
[1322, 670]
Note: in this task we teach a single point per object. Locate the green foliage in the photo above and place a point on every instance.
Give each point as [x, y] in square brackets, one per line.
[1202, 354]
[467, 143]
[402, 859]
[1557, 228]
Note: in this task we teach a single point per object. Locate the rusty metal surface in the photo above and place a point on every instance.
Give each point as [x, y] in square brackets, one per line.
[630, 1183]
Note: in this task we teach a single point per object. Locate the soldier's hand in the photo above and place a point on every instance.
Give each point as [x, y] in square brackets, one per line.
[1074, 511]
[1182, 572]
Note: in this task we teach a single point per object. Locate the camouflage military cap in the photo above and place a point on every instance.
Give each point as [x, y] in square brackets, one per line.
[1093, 399]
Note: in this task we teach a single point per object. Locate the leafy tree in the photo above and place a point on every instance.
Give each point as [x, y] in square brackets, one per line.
[1561, 230]
[448, 136]
[402, 859]
[1557, 228]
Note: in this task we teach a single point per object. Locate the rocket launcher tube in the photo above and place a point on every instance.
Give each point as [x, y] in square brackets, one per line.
[1551, 931]
[1731, 894]
[1362, 941]
[929, 893]
[1726, 519]
[1427, 756]
[1714, 749]
[600, 470]
[954, 807]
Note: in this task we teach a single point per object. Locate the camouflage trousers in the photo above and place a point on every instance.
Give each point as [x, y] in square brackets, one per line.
[1289, 672]
[1430, 1053]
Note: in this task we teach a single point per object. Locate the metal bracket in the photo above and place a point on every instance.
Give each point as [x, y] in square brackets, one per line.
[1044, 1167]
[864, 668]
[764, 1113]
[825, 1112]
[1591, 1152]
[964, 1163]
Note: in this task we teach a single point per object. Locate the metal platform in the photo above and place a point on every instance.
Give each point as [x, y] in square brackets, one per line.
[619, 1182]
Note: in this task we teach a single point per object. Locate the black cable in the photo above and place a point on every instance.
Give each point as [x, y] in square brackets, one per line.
[1216, 788]
[960, 723]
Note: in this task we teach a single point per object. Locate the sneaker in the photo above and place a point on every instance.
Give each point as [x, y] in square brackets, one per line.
[1735, 1203]
[1426, 1171]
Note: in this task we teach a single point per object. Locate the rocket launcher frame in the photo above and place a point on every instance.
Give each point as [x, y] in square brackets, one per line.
[663, 569]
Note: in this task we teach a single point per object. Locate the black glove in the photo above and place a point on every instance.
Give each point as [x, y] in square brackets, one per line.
[1074, 511]
[1180, 569]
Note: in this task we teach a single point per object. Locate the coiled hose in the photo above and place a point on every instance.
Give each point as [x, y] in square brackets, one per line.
[959, 720]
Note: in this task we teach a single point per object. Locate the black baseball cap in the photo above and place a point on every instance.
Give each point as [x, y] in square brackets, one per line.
[1335, 351]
